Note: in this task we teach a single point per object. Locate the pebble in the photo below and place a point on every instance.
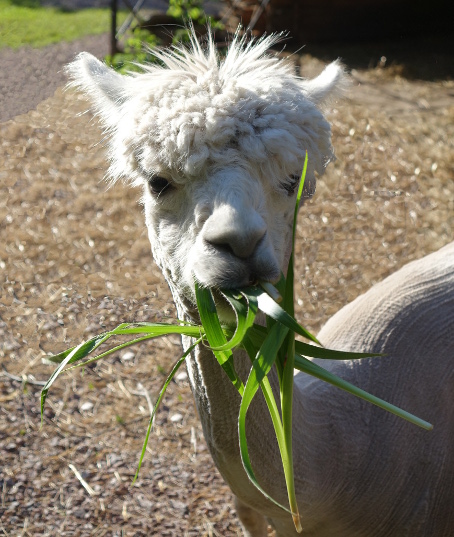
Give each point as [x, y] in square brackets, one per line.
[129, 355]
[175, 418]
[85, 407]
[181, 376]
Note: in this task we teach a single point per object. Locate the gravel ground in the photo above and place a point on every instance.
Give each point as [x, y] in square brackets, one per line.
[75, 259]
[28, 75]
[31, 75]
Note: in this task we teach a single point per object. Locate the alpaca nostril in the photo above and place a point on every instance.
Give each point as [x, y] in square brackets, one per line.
[235, 231]
[253, 280]
[240, 243]
[222, 247]
[239, 248]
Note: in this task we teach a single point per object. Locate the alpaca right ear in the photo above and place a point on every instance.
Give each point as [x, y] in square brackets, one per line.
[105, 88]
[331, 82]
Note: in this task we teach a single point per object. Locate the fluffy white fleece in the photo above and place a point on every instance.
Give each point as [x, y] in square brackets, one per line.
[202, 108]
[226, 132]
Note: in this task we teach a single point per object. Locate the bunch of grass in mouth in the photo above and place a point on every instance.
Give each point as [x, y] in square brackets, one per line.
[272, 345]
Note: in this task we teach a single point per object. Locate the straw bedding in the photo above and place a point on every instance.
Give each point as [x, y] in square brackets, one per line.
[75, 258]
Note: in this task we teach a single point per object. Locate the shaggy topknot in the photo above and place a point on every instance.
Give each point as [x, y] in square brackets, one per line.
[198, 108]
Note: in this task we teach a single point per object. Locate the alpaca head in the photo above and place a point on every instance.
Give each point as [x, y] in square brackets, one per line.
[218, 146]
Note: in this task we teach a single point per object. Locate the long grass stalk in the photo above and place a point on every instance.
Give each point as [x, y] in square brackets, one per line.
[269, 346]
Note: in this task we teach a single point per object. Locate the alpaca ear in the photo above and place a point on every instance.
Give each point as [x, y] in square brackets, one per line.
[331, 82]
[105, 88]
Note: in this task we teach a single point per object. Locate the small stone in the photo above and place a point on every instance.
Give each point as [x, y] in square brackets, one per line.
[175, 418]
[129, 355]
[85, 407]
[179, 506]
[181, 376]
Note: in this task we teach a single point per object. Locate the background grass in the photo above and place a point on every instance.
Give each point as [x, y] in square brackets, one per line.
[25, 22]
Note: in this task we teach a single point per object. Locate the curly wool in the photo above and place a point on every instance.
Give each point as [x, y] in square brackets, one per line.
[226, 134]
[200, 109]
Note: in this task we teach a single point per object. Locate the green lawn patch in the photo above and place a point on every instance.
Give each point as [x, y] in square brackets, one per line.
[25, 22]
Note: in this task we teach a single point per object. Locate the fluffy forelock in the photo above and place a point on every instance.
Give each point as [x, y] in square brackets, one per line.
[197, 108]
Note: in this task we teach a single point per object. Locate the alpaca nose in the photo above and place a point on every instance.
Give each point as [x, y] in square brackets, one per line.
[238, 232]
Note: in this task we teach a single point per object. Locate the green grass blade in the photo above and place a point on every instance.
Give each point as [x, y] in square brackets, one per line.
[215, 334]
[272, 407]
[211, 324]
[287, 359]
[258, 333]
[305, 365]
[151, 329]
[77, 353]
[172, 373]
[330, 354]
[84, 349]
[74, 354]
[288, 304]
[298, 199]
[245, 315]
[112, 350]
[158, 329]
[252, 351]
[58, 358]
[274, 310]
[252, 302]
[260, 368]
[286, 389]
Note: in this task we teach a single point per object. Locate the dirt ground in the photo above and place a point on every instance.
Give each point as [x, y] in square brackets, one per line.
[75, 259]
[31, 75]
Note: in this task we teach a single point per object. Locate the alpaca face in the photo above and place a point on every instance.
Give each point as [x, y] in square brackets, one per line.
[228, 228]
[218, 146]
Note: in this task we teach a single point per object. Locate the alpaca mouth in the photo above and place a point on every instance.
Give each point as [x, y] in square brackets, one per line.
[225, 311]
[229, 272]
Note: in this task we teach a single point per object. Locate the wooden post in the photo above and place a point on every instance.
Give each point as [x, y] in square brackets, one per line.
[113, 27]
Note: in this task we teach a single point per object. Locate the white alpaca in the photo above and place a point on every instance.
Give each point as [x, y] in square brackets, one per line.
[218, 146]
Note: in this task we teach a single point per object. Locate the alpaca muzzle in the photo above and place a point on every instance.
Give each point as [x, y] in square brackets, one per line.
[233, 249]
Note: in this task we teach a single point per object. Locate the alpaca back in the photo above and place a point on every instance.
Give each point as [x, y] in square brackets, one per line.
[395, 308]
[400, 478]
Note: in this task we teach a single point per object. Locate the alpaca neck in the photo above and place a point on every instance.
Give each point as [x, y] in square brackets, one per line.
[218, 404]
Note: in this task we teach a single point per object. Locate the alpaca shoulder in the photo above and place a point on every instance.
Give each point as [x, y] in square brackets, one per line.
[421, 294]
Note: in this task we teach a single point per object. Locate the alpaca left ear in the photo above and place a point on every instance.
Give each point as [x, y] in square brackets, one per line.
[331, 82]
[106, 89]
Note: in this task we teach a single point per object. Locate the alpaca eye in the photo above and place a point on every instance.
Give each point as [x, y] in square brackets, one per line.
[158, 185]
[291, 184]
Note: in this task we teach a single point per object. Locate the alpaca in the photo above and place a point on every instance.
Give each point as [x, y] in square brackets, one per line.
[218, 146]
